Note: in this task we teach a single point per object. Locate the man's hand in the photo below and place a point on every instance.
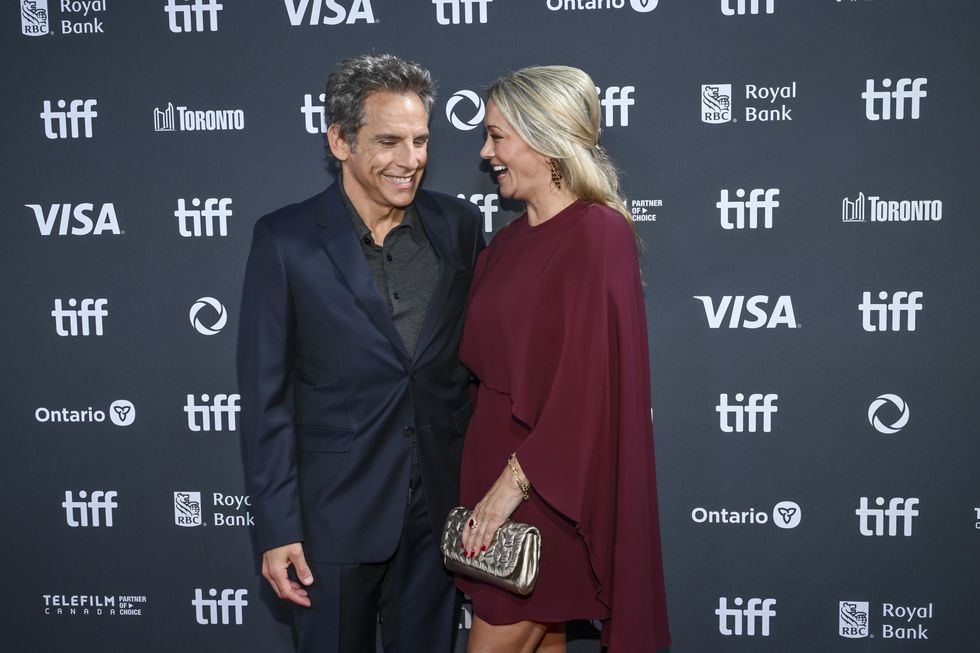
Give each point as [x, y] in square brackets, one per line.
[275, 567]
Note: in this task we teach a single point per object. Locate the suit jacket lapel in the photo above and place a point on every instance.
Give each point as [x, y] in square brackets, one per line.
[436, 230]
[338, 238]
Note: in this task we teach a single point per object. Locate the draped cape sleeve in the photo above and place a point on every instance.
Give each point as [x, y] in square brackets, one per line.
[584, 393]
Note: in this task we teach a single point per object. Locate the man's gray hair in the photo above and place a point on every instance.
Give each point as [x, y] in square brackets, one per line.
[358, 77]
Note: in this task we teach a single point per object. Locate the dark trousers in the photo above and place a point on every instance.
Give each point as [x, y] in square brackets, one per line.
[412, 591]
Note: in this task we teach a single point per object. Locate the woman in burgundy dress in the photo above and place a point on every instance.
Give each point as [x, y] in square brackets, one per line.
[561, 437]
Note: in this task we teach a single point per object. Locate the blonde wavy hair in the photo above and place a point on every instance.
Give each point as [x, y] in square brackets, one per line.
[555, 110]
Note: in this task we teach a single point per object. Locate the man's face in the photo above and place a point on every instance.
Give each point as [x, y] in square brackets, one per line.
[383, 168]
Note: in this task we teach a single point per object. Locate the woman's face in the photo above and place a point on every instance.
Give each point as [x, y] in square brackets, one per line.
[521, 172]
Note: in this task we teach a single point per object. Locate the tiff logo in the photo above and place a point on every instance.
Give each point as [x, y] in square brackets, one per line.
[738, 621]
[875, 315]
[95, 512]
[613, 98]
[67, 124]
[487, 205]
[196, 222]
[218, 611]
[746, 416]
[756, 306]
[218, 415]
[316, 122]
[878, 104]
[68, 320]
[872, 520]
[181, 15]
[467, 14]
[759, 198]
[743, 7]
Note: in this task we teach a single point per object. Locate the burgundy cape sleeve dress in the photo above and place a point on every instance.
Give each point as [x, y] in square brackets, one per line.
[556, 334]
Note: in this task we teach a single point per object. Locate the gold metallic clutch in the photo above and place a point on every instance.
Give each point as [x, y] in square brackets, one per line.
[510, 562]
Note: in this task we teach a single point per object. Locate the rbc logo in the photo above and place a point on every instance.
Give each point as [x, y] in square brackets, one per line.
[878, 104]
[95, 512]
[89, 314]
[213, 416]
[745, 6]
[64, 214]
[853, 622]
[34, 17]
[872, 520]
[360, 10]
[613, 98]
[759, 198]
[716, 103]
[756, 306]
[312, 112]
[181, 15]
[875, 316]
[219, 322]
[198, 222]
[467, 15]
[472, 98]
[207, 610]
[487, 206]
[77, 120]
[746, 415]
[738, 621]
[187, 509]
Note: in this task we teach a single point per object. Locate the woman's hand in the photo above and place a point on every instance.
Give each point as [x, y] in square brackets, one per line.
[499, 503]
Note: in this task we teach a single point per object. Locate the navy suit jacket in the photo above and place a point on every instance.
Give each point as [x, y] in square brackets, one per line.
[331, 398]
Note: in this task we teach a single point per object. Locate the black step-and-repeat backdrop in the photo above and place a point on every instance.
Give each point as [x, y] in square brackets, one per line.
[803, 174]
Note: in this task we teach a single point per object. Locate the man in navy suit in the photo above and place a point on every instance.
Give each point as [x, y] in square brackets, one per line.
[354, 403]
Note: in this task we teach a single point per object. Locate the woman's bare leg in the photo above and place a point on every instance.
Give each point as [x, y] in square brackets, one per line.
[554, 640]
[522, 637]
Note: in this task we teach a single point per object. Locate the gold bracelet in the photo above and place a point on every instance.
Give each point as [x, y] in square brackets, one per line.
[524, 487]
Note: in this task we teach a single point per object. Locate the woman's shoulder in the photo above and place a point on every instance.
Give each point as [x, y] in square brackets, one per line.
[604, 229]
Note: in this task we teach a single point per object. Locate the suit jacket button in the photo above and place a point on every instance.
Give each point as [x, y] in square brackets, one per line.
[409, 431]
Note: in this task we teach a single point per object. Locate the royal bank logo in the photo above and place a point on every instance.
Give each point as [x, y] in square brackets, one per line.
[455, 12]
[751, 620]
[81, 317]
[214, 311]
[82, 219]
[616, 102]
[742, 7]
[72, 119]
[470, 115]
[890, 314]
[329, 12]
[204, 218]
[195, 120]
[716, 103]
[746, 414]
[219, 413]
[314, 115]
[225, 610]
[34, 17]
[487, 205]
[785, 514]
[853, 619]
[193, 15]
[747, 211]
[640, 210]
[89, 511]
[121, 412]
[640, 6]
[874, 209]
[894, 408]
[187, 509]
[748, 312]
[890, 104]
[879, 521]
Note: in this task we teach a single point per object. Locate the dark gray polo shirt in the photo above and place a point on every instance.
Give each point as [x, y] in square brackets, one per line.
[405, 268]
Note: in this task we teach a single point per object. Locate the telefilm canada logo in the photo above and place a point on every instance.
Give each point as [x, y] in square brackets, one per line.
[897, 621]
[785, 515]
[329, 12]
[121, 412]
[761, 103]
[94, 605]
[226, 509]
[872, 208]
[639, 6]
[196, 120]
[75, 17]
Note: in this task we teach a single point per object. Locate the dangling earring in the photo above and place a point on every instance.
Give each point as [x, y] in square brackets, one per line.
[555, 174]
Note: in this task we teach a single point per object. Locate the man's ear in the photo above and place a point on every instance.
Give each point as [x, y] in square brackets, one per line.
[338, 144]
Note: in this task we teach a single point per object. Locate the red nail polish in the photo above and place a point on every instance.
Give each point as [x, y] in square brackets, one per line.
[483, 548]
